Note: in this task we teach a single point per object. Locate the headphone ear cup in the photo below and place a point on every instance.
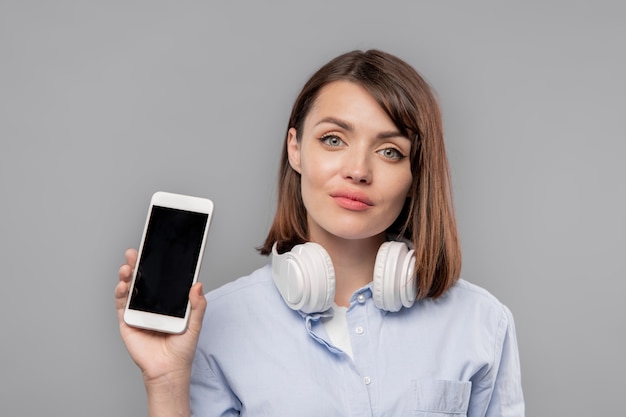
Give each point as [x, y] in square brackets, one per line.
[408, 286]
[393, 282]
[378, 281]
[305, 277]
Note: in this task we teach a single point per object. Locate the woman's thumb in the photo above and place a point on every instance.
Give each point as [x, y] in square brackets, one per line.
[198, 306]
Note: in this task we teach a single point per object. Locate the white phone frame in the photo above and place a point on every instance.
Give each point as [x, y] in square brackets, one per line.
[155, 321]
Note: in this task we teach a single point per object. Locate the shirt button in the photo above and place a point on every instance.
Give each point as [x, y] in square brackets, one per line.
[367, 380]
[360, 298]
[359, 330]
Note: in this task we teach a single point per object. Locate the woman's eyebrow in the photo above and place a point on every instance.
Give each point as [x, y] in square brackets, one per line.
[332, 120]
[349, 127]
[390, 134]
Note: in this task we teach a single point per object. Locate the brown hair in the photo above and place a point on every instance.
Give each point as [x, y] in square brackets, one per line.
[427, 218]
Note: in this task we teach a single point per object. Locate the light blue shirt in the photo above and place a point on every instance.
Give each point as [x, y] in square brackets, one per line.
[453, 356]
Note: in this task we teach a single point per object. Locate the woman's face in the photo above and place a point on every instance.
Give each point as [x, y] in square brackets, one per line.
[354, 164]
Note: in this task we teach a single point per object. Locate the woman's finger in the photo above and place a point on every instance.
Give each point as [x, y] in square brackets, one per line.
[121, 294]
[125, 273]
[131, 257]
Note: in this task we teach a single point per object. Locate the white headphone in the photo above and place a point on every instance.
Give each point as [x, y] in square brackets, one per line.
[305, 277]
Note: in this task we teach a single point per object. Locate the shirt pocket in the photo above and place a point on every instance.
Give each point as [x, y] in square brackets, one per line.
[440, 398]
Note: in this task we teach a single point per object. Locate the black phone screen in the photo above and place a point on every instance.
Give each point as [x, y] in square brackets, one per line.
[168, 261]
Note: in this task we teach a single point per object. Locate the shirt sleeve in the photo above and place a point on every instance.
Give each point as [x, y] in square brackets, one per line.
[498, 393]
[210, 395]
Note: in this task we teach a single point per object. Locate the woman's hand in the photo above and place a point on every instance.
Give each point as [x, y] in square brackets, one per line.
[163, 358]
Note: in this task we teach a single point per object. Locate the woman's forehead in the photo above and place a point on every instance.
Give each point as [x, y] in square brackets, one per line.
[345, 104]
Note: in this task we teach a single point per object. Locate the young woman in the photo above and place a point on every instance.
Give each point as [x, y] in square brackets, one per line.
[361, 310]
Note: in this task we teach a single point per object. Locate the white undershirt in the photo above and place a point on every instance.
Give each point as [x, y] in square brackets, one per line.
[337, 329]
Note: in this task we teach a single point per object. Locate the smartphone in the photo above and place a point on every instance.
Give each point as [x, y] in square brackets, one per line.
[168, 262]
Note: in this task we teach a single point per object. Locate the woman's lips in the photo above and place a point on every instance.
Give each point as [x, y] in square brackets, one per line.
[352, 200]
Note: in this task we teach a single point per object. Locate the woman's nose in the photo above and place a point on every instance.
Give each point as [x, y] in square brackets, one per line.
[357, 168]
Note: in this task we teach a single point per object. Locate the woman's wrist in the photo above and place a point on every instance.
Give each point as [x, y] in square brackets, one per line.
[168, 395]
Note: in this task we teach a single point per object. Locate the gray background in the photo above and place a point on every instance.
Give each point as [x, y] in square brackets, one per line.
[103, 103]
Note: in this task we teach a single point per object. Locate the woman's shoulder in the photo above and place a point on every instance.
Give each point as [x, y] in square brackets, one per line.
[468, 299]
[469, 289]
[252, 286]
[248, 308]
[251, 296]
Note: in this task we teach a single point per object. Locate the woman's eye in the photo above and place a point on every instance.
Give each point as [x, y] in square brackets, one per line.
[391, 153]
[331, 140]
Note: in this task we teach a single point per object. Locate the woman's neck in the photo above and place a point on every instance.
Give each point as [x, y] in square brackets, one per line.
[353, 261]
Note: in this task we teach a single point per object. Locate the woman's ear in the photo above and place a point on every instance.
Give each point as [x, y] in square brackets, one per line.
[293, 149]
